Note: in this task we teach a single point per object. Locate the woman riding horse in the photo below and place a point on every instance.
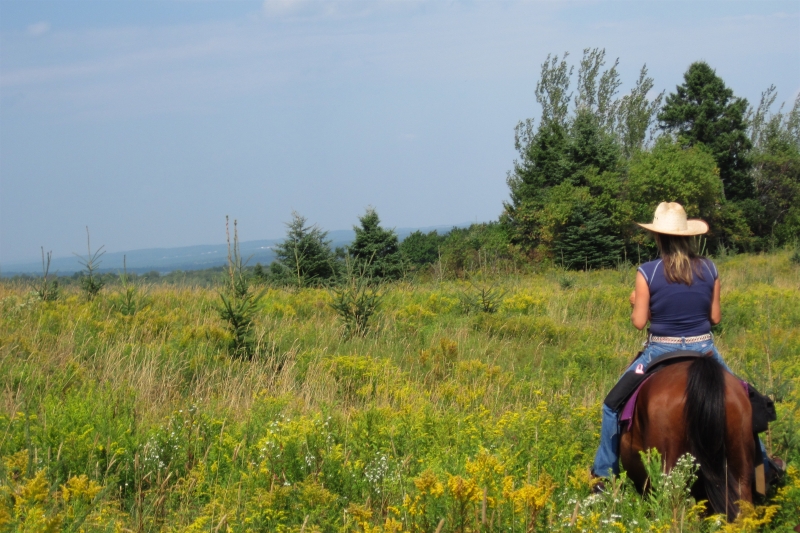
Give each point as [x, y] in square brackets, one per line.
[679, 294]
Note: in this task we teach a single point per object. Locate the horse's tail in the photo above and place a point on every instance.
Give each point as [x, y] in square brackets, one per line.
[704, 413]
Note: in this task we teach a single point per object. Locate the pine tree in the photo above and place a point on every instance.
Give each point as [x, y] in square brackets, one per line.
[306, 253]
[588, 241]
[376, 249]
[557, 164]
[703, 110]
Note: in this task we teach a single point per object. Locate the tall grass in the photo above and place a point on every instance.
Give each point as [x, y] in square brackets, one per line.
[485, 421]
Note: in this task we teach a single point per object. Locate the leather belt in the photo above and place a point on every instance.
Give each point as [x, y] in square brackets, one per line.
[681, 340]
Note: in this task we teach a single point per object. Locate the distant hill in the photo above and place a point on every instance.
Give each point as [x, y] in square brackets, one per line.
[197, 257]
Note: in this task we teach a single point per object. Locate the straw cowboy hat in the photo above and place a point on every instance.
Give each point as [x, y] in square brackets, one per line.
[670, 219]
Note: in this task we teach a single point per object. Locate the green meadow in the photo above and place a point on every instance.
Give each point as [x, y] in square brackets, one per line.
[442, 417]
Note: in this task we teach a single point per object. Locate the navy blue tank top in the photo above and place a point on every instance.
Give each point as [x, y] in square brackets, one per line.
[677, 309]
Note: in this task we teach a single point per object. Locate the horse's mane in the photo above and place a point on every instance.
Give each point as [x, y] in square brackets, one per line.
[704, 414]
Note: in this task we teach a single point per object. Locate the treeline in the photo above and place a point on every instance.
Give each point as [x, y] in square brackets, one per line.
[597, 162]
[305, 257]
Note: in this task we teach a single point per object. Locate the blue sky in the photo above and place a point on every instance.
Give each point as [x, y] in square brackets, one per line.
[150, 121]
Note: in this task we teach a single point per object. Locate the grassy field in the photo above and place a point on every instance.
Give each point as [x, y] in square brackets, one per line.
[440, 419]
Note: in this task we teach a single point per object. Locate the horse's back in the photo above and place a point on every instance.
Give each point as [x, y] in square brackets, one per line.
[660, 422]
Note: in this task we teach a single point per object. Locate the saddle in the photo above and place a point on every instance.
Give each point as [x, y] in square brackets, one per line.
[631, 381]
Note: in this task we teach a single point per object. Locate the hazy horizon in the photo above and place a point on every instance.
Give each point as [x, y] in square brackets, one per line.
[146, 258]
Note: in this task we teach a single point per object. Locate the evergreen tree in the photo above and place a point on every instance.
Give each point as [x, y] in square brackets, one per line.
[559, 167]
[543, 163]
[259, 273]
[376, 249]
[703, 110]
[305, 254]
[587, 240]
[590, 146]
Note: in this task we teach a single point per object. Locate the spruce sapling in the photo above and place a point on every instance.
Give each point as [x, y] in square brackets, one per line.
[239, 303]
[91, 282]
[46, 289]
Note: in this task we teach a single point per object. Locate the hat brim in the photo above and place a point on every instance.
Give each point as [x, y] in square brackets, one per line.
[693, 227]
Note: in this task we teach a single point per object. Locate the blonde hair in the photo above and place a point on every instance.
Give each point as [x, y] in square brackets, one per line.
[679, 254]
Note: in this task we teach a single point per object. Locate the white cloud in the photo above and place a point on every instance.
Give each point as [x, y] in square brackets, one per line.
[40, 28]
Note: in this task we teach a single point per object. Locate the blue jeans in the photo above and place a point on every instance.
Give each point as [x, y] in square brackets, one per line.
[606, 461]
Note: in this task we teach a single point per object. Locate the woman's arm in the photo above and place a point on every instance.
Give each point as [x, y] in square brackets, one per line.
[716, 311]
[641, 302]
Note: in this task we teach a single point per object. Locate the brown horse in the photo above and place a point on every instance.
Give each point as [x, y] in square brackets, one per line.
[696, 407]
